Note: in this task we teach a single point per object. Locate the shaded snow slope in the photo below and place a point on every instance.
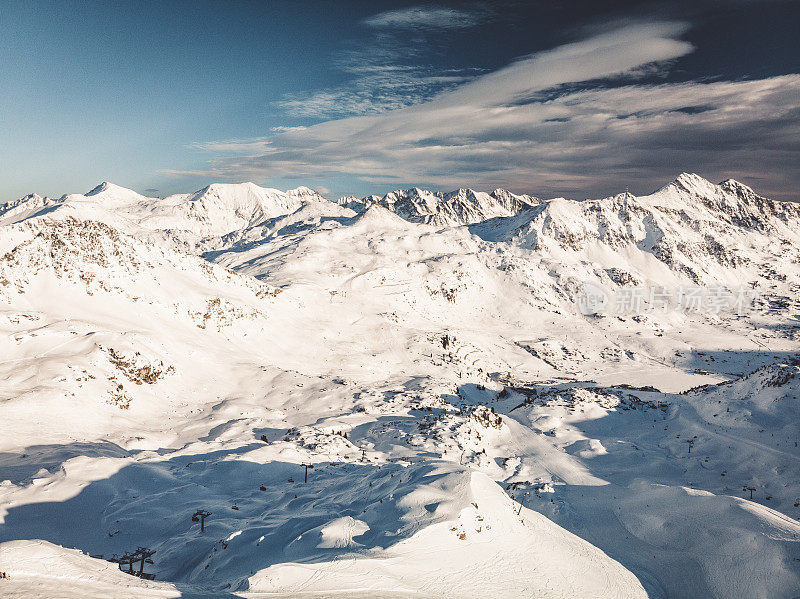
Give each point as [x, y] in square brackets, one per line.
[487, 550]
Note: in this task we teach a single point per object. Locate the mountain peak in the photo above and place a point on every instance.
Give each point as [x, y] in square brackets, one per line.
[111, 193]
[107, 186]
[302, 189]
[692, 180]
[221, 187]
[377, 215]
[691, 183]
[305, 194]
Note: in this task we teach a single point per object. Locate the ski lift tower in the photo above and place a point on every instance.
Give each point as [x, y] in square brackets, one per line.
[200, 516]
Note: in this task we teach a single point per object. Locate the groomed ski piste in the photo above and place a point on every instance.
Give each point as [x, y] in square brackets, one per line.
[399, 396]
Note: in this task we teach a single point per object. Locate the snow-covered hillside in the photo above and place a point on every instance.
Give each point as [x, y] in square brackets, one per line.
[469, 429]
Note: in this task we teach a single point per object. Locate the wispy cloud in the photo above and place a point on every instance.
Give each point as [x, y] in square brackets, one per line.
[375, 91]
[283, 129]
[424, 17]
[542, 124]
[386, 68]
[240, 145]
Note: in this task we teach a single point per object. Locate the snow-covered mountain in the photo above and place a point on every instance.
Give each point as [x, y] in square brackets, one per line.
[459, 207]
[472, 432]
[688, 230]
[212, 211]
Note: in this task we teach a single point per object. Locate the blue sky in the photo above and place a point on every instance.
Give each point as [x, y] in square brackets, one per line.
[575, 98]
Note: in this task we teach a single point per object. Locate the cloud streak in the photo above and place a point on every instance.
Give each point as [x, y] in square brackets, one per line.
[375, 91]
[543, 124]
[425, 17]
